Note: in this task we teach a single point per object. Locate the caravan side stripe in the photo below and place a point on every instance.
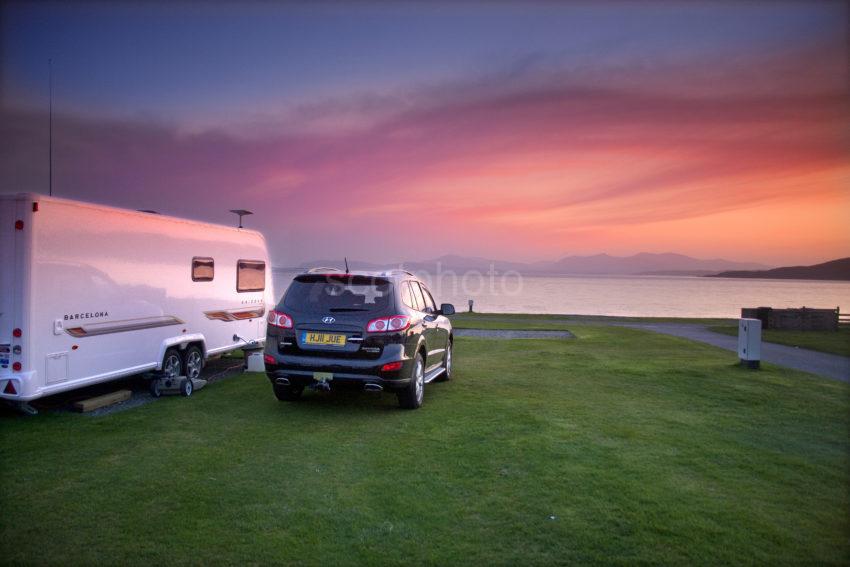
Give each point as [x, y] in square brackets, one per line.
[228, 315]
[109, 327]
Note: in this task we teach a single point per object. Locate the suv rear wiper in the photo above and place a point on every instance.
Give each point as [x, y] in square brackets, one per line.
[338, 309]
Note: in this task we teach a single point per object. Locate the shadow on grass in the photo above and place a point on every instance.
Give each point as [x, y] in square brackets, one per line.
[214, 371]
[357, 402]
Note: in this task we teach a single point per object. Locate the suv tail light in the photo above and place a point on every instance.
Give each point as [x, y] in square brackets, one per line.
[388, 324]
[278, 319]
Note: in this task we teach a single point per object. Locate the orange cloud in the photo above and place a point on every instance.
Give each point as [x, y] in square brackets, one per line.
[641, 162]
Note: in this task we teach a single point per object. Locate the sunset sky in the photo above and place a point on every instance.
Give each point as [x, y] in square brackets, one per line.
[389, 132]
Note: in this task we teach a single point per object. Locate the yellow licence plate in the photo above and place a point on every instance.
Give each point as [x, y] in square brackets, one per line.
[332, 339]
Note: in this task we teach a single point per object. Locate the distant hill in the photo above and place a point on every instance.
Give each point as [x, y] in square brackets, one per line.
[598, 264]
[834, 270]
[679, 273]
[643, 263]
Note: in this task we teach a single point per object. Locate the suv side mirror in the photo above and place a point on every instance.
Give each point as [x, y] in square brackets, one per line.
[447, 309]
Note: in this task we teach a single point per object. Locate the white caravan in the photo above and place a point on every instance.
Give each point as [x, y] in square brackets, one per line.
[90, 293]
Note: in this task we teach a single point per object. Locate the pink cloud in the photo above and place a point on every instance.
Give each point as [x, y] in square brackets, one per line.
[474, 156]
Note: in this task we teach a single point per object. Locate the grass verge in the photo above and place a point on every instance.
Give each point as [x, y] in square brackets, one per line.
[619, 447]
[834, 342]
[558, 322]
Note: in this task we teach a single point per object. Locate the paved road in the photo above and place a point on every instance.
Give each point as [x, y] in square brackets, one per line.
[830, 366]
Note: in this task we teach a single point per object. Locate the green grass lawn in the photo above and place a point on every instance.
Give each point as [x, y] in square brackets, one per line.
[835, 342]
[558, 322]
[528, 322]
[620, 446]
[238, 353]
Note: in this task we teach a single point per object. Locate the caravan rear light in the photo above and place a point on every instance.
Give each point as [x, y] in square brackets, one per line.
[17, 333]
[10, 388]
[278, 319]
[16, 367]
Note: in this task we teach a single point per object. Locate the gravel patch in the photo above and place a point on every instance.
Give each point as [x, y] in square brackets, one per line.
[512, 334]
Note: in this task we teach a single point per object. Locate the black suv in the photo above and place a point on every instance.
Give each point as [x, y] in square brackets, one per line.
[370, 330]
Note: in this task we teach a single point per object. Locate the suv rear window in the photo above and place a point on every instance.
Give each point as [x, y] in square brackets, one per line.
[338, 293]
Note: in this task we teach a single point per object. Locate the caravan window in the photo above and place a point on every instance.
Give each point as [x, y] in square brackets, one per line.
[203, 269]
[250, 275]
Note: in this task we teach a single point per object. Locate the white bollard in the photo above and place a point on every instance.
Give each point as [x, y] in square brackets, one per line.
[749, 342]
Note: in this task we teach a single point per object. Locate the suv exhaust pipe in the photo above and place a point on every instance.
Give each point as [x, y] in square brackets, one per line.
[282, 381]
[373, 387]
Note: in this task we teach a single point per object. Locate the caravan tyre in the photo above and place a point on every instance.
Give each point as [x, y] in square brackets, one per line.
[186, 387]
[154, 388]
[172, 364]
[193, 362]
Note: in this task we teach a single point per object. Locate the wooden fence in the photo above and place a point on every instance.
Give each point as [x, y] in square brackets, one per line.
[801, 319]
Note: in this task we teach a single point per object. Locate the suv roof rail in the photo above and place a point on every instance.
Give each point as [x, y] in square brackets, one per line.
[398, 271]
[322, 269]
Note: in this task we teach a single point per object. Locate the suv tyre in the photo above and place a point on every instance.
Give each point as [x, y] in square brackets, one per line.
[412, 396]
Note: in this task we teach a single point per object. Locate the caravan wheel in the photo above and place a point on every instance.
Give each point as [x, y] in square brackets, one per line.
[172, 364]
[194, 362]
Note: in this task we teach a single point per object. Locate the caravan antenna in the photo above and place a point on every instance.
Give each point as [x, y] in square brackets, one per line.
[241, 213]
